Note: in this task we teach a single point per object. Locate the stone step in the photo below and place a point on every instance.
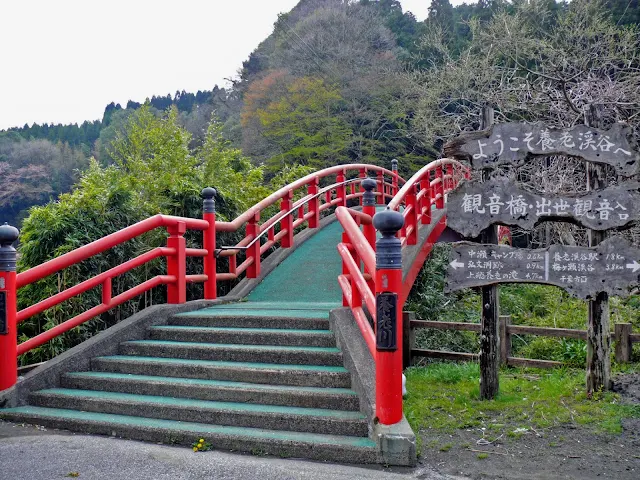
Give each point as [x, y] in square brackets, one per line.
[247, 336]
[234, 353]
[197, 320]
[314, 446]
[250, 372]
[217, 390]
[271, 417]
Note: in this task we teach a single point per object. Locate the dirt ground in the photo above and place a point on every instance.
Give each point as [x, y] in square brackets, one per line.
[571, 452]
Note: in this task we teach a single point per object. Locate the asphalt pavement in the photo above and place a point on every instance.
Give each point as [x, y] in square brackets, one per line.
[34, 453]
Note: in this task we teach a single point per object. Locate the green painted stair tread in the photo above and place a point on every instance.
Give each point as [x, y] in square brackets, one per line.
[284, 311]
[275, 305]
[195, 429]
[202, 405]
[232, 346]
[216, 363]
[211, 383]
[308, 274]
[289, 331]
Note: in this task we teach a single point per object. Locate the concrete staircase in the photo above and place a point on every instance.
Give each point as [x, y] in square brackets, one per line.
[273, 385]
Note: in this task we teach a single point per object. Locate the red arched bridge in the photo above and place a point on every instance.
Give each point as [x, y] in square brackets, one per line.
[302, 358]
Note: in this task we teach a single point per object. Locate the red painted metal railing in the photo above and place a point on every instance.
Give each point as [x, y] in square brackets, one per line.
[308, 208]
[361, 279]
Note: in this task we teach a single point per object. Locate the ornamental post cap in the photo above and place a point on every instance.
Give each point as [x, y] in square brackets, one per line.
[394, 163]
[369, 184]
[388, 221]
[208, 193]
[8, 234]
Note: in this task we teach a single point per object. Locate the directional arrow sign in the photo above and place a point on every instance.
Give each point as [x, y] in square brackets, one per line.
[456, 264]
[610, 267]
[635, 266]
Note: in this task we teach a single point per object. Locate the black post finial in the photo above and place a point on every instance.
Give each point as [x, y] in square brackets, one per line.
[394, 165]
[8, 254]
[389, 247]
[208, 200]
[368, 198]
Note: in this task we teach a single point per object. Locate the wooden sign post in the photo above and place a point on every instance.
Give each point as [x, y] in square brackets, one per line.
[606, 267]
[489, 333]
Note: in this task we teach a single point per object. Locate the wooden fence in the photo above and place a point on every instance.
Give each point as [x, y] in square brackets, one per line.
[622, 337]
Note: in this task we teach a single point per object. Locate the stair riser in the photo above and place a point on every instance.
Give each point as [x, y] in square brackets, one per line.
[272, 377]
[221, 394]
[243, 338]
[281, 448]
[251, 322]
[269, 421]
[230, 355]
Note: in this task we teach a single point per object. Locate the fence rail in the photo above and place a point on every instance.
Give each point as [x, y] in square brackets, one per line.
[621, 337]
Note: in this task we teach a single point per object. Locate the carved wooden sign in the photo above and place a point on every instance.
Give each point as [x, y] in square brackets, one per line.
[474, 206]
[512, 143]
[4, 328]
[613, 267]
[386, 322]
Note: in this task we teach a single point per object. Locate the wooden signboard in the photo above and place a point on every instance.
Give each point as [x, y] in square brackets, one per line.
[512, 143]
[475, 206]
[613, 267]
[386, 322]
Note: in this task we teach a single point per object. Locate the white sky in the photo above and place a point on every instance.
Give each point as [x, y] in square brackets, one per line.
[63, 61]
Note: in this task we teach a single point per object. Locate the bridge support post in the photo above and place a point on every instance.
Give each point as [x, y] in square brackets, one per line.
[314, 204]
[381, 190]
[253, 230]
[394, 180]
[177, 264]
[8, 309]
[341, 190]
[388, 318]
[411, 224]
[209, 242]
[287, 222]
[439, 188]
[363, 176]
[425, 184]
[369, 231]
[450, 182]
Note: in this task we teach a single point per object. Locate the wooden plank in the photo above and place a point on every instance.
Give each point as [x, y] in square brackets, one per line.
[470, 327]
[634, 337]
[598, 324]
[623, 342]
[505, 338]
[513, 143]
[547, 332]
[408, 338]
[531, 363]
[489, 330]
[474, 206]
[584, 272]
[444, 355]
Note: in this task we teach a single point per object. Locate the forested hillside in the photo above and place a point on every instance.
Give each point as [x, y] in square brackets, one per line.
[335, 82]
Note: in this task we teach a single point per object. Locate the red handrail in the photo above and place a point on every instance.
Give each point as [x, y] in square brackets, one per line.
[176, 251]
[105, 243]
[315, 201]
[358, 287]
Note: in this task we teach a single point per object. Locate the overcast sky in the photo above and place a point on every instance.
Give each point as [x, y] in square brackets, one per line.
[63, 61]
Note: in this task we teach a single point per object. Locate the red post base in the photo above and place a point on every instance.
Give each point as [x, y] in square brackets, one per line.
[9, 342]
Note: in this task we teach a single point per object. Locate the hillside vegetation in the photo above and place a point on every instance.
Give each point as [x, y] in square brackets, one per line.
[335, 82]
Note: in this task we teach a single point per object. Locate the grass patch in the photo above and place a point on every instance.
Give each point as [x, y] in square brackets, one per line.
[444, 397]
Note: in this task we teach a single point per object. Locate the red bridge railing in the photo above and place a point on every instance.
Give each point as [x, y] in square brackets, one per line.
[278, 229]
[372, 266]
